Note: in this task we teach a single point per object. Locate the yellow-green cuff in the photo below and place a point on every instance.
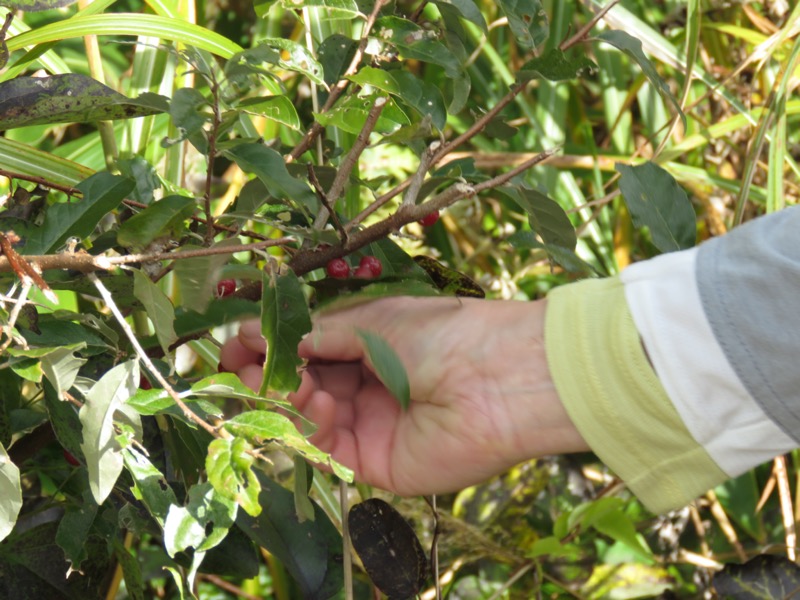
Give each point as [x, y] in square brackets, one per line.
[615, 399]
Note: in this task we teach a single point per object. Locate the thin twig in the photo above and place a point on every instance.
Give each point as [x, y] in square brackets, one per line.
[112, 306]
[87, 263]
[346, 546]
[323, 198]
[581, 33]
[14, 315]
[339, 87]
[21, 266]
[435, 546]
[446, 149]
[410, 197]
[350, 160]
[216, 119]
[418, 13]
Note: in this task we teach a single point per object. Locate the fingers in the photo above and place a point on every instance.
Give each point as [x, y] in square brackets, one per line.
[250, 336]
[234, 355]
[332, 340]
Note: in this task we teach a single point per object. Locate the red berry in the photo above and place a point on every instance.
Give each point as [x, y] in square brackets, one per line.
[225, 287]
[429, 219]
[363, 273]
[338, 269]
[144, 383]
[373, 263]
[70, 459]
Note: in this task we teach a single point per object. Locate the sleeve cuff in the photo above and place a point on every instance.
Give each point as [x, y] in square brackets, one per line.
[615, 399]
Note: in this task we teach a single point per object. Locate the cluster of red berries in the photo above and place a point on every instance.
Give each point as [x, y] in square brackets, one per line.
[369, 267]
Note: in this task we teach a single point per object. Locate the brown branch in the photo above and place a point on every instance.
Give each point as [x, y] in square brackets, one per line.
[580, 35]
[22, 267]
[339, 87]
[350, 159]
[87, 263]
[444, 150]
[323, 198]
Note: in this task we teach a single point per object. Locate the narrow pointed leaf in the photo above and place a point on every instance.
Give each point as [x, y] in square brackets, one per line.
[284, 321]
[10, 492]
[388, 366]
[158, 308]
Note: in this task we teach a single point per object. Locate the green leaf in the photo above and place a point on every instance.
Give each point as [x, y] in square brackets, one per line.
[334, 9]
[68, 98]
[228, 385]
[415, 43]
[229, 468]
[202, 524]
[276, 108]
[554, 65]
[657, 201]
[134, 582]
[102, 193]
[187, 112]
[164, 218]
[295, 57]
[284, 321]
[36, 5]
[377, 78]
[562, 256]
[633, 48]
[335, 54]
[10, 492]
[270, 168]
[467, 9]
[158, 308]
[303, 475]
[764, 577]
[259, 426]
[547, 218]
[422, 96]
[100, 445]
[351, 113]
[388, 366]
[527, 20]
[74, 528]
[61, 366]
[149, 484]
[198, 276]
[311, 551]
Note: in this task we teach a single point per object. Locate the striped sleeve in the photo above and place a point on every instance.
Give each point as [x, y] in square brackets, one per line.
[719, 331]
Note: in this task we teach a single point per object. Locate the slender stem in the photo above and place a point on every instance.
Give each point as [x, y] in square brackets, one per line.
[140, 353]
[14, 315]
[86, 263]
[338, 88]
[350, 160]
[216, 119]
[346, 549]
[580, 35]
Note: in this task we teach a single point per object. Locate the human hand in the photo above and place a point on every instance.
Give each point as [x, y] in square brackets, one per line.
[482, 397]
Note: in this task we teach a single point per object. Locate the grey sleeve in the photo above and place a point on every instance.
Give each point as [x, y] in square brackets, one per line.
[749, 282]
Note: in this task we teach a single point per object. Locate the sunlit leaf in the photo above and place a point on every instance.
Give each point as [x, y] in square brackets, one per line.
[295, 57]
[284, 321]
[657, 202]
[149, 484]
[260, 426]
[202, 524]
[100, 446]
[351, 113]
[229, 467]
[547, 218]
[275, 108]
[10, 492]
[414, 42]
